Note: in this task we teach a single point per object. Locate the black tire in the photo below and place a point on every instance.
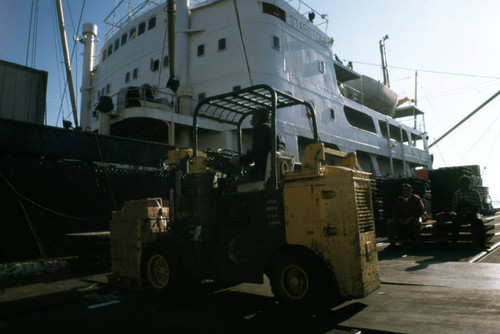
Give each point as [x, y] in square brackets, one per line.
[300, 280]
[161, 271]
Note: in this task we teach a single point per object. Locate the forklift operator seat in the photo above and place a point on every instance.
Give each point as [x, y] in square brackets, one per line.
[284, 163]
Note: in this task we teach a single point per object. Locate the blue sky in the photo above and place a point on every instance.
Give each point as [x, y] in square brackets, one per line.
[456, 37]
[453, 44]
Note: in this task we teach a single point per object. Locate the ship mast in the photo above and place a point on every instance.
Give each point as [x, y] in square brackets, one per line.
[385, 71]
[172, 83]
[66, 60]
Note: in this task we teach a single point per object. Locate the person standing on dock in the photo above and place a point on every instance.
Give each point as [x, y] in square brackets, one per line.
[406, 216]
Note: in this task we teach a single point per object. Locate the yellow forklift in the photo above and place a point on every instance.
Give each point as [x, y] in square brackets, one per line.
[310, 230]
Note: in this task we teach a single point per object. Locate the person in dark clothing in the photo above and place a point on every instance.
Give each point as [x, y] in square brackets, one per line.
[406, 214]
[261, 146]
[466, 200]
[466, 204]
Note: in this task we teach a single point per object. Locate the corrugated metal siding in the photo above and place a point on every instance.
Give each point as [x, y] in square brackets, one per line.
[22, 93]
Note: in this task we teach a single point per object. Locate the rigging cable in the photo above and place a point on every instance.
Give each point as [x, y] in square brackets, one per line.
[37, 238]
[72, 56]
[465, 89]
[440, 123]
[32, 30]
[29, 32]
[492, 148]
[71, 16]
[466, 118]
[105, 174]
[62, 92]
[480, 137]
[429, 71]
[32, 202]
[235, 3]
[35, 34]
[448, 92]
[74, 46]
[60, 62]
[75, 43]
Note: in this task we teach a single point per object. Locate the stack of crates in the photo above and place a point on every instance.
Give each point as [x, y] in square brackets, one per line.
[139, 223]
[444, 182]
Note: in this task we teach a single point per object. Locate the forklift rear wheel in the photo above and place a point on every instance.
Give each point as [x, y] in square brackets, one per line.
[160, 271]
[298, 280]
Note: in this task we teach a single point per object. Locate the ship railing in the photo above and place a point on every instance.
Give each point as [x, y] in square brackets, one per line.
[124, 12]
[300, 6]
[412, 122]
[304, 9]
[351, 93]
[144, 96]
[147, 96]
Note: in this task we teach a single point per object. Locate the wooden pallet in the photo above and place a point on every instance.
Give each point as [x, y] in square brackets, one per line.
[440, 234]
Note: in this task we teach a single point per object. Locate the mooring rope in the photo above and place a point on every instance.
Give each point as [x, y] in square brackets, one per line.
[14, 190]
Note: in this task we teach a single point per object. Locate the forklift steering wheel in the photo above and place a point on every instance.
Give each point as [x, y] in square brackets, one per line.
[221, 163]
[225, 153]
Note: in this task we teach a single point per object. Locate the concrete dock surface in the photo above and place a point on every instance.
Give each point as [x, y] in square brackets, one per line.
[422, 291]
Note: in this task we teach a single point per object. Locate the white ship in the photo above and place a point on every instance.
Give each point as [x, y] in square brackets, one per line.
[216, 46]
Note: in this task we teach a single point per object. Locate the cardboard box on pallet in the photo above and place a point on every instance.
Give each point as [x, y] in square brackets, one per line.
[138, 222]
[144, 208]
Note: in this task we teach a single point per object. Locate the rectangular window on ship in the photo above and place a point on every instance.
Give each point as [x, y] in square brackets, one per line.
[152, 23]
[201, 50]
[276, 42]
[273, 10]
[142, 28]
[222, 44]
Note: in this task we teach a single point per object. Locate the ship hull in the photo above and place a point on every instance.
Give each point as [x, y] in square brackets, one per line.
[55, 182]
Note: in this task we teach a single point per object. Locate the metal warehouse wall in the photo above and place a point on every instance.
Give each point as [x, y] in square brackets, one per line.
[22, 93]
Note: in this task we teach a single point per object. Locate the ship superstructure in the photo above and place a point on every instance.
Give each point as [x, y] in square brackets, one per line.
[223, 45]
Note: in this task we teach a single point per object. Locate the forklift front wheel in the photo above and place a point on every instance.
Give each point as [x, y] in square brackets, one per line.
[160, 271]
[297, 280]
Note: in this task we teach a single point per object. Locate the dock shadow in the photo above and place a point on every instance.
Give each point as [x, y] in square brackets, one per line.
[230, 311]
[422, 264]
[212, 311]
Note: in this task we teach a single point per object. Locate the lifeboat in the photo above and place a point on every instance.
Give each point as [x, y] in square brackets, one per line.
[375, 95]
